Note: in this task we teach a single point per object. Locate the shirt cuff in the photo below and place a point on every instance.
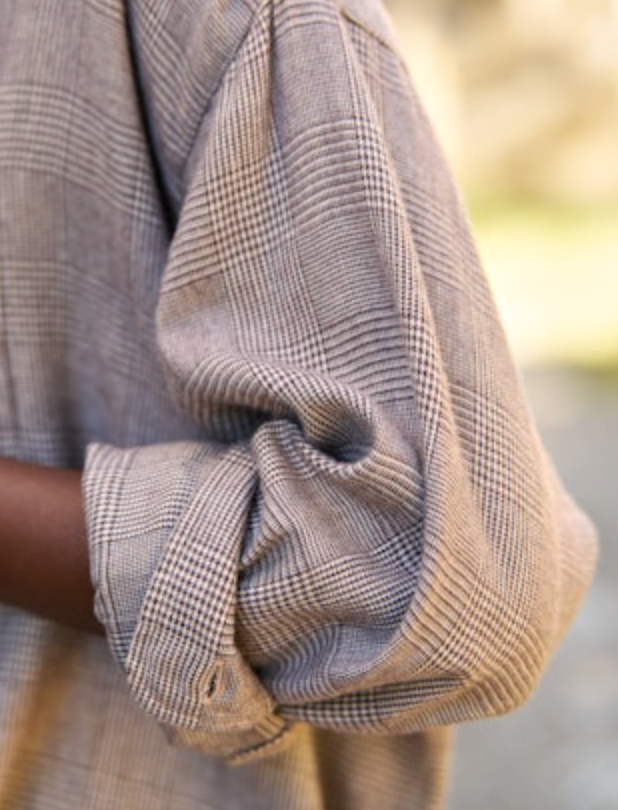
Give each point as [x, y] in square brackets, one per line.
[166, 593]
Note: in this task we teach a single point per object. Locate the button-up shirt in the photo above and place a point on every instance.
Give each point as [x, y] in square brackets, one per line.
[238, 288]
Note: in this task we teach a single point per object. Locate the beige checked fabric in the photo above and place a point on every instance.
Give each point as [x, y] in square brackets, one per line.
[237, 285]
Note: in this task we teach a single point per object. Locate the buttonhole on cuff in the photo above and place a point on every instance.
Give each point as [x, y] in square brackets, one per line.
[212, 682]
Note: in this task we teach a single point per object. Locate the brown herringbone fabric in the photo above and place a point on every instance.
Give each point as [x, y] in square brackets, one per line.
[236, 283]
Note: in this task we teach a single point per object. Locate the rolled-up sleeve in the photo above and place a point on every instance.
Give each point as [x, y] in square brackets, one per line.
[367, 536]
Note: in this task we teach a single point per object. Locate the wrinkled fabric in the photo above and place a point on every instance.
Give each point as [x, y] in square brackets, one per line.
[238, 287]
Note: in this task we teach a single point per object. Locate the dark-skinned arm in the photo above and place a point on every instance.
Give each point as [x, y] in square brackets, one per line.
[44, 566]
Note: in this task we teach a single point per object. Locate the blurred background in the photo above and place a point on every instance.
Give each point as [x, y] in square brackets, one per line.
[524, 97]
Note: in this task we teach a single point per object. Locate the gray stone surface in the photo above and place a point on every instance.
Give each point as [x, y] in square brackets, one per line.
[560, 752]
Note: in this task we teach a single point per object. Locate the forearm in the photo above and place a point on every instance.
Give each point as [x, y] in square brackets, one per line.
[44, 564]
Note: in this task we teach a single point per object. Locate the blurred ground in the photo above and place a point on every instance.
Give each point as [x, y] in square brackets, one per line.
[560, 752]
[524, 97]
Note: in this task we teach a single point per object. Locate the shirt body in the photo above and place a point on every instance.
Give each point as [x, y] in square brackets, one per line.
[237, 285]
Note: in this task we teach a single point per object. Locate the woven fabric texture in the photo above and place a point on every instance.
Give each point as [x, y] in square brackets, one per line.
[238, 286]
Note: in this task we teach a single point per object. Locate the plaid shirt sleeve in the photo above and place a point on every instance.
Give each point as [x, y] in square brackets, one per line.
[366, 535]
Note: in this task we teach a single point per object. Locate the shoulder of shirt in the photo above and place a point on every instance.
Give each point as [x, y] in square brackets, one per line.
[184, 49]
